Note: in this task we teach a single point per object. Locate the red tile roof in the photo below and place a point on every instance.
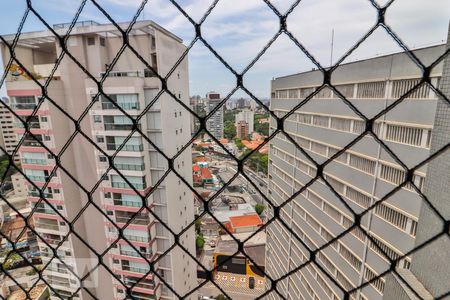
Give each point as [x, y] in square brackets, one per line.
[206, 173]
[195, 168]
[244, 221]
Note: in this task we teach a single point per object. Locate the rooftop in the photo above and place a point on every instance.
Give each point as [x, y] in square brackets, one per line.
[36, 293]
[206, 173]
[34, 38]
[244, 221]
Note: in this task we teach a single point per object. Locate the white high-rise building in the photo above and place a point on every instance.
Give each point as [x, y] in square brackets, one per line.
[131, 85]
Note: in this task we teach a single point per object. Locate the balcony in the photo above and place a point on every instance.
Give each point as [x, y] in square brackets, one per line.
[36, 194]
[129, 167]
[127, 203]
[136, 269]
[34, 161]
[133, 253]
[124, 106]
[24, 106]
[127, 127]
[124, 185]
[132, 238]
[132, 148]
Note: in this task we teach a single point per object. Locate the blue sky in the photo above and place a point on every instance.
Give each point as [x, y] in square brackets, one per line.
[239, 29]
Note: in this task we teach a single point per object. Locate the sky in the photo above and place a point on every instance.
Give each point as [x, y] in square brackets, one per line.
[239, 29]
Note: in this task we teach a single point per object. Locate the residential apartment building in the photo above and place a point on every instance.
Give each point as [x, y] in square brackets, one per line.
[8, 137]
[130, 87]
[362, 175]
[242, 130]
[215, 123]
[248, 116]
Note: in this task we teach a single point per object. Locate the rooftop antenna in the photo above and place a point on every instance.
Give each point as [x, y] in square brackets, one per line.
[332, 46]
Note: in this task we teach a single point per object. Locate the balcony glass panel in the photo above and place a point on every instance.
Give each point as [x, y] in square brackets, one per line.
[124, 101]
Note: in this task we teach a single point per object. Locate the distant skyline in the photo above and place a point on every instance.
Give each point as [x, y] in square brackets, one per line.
[239, 30]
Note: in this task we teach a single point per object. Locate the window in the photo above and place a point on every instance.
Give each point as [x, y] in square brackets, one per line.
[407, 135]
[102, 159]
[341, 124]
[401, 87]
[381, 247]
[283, 94]
[293, 93]
[100, 139]
[346, 90]
[304, 118]
[371, 90]
[363, 164]
[319, 148]
[324, 93]
[102, 42]
[377, 283]
[107, 195]
[305, 92]
[392, 174]
[332, 212]
[350, 257]
[91, 41]
[43, 119]
[391, 215]
[97, 119]
[358, 197]
[321, 121]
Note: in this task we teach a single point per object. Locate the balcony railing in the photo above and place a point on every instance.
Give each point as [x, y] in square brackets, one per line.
[130, 167]
[124, 185]
[123, 105]
[23, 105]
[137, 238]
[135, 254]
[112, 126]
[114, 147]
[37, 178]
[47, 226]
[34, 161]
[35, 125]
[137, 221]
[31, 143]
[135, 269]
[127, 203]
[46, 211]
[36, 194]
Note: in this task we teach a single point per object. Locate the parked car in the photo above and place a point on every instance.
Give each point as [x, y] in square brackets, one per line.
[251, 282]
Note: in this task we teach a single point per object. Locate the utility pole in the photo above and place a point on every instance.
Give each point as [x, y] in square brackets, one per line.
[332, 46]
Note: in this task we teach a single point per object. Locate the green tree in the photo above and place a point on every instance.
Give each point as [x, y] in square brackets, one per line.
[259, 208]
[262, 128]
[200, 241]
[221, 297]
[239, 144]
[198, 225]
[229, 130]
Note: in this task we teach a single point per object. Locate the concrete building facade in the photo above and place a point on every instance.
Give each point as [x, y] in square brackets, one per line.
[215, 123]
[429, 275]
[248, 116]
[130, 86]
[8, 138]
[361, 175]
[242, 130]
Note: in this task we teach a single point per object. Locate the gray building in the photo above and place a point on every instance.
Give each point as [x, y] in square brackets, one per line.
[429, 273]
[362, 175]
[215, 123]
